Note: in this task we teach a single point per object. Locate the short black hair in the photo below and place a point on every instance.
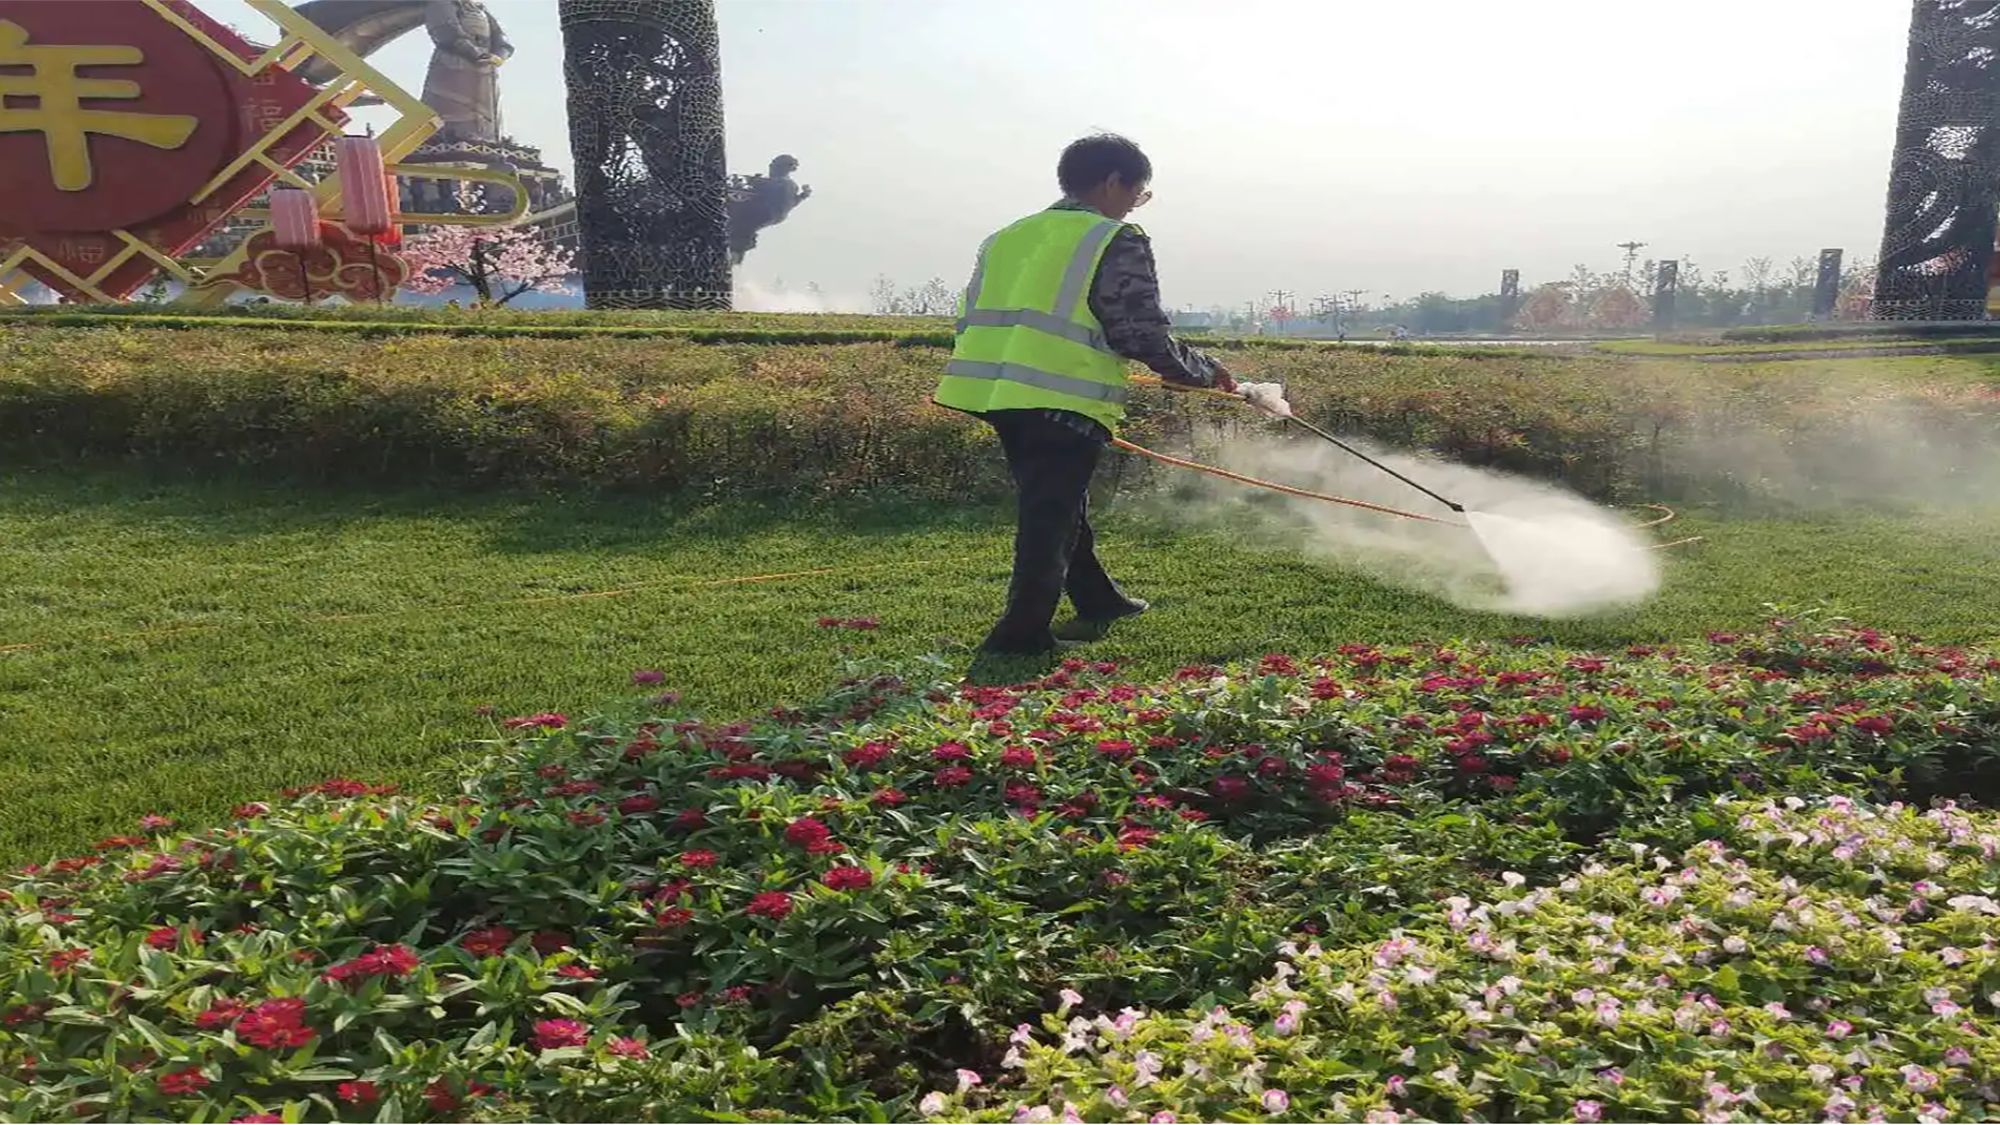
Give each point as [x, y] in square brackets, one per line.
[1088, 162]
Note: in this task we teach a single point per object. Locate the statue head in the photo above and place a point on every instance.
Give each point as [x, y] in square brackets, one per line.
[784, 166]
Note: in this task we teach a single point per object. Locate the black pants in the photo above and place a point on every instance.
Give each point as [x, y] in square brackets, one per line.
[1055, 551]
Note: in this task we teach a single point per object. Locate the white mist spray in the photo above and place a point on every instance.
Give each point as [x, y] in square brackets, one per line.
[1526, 548]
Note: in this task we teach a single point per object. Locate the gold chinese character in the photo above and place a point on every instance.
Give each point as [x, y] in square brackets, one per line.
[58, 115]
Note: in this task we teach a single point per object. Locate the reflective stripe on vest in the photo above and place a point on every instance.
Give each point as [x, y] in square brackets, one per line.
[1035, 377]
[1076, 276]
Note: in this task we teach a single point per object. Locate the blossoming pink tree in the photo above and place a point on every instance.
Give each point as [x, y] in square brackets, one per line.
[500, 265]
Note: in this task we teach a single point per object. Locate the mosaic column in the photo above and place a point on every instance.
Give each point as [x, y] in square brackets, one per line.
[645, 127]
[1944, 174]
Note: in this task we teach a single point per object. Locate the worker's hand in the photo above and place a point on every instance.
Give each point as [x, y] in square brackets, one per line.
[1224, 381]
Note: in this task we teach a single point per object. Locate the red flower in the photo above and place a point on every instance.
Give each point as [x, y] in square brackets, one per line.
[674, 917]
[627, 1048]
[1230, 787]
[866, 756]
[950, 777]
[951, 752]
[889, 798]
[698, 859]
[166, 937]
[1116, 749]
[156, 822]
[807, 831]
[639, 804]
[551, 1034]
[691, 819]
[383, 961]
[848, 878]
[1874, 724]
[182, 1081]
[1583, 714]
[276, 1025]
[1135, 837]
[357, 1093]
[257, 1119]
[586, 818]
[487, 943]
[1018, 757]
[219, 1015]
[1472, 763]
[770, 904]
[63, 959]
[551, 942]
[577, 972]
[546, 720]
[825, 847]
[688, 999]
[440, 1096]
[648, 678]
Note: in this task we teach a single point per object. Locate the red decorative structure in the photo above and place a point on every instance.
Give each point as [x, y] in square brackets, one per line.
[340, 263]
[129, 138]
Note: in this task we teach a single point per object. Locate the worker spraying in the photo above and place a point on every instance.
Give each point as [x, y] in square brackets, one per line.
[1057, 303]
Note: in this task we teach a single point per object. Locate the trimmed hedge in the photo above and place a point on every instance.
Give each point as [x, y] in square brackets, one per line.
[711, 415]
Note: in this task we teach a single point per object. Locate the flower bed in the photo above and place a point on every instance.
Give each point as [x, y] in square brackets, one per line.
[1505, 882]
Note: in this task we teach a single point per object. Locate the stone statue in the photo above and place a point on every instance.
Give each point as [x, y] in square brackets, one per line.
[757, 202]
[462, 84]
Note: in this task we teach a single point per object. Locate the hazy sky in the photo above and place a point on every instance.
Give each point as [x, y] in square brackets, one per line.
[1311, 146]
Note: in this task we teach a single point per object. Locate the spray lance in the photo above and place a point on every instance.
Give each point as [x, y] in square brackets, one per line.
[1269, 398]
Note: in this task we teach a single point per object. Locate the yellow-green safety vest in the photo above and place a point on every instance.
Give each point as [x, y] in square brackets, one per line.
[1026, 338]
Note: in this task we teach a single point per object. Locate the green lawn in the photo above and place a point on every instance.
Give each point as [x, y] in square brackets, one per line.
[183, 647]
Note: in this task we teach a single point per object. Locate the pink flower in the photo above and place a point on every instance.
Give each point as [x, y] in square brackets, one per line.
[357, 1093]
[1397, 1085]
[1839, 1029]
[648, 678]
[1587, 1111]
[1163, 1117]
[628, 1048]
[1276, 1101]
[932, 1105]
[551, 1034]
[967, 1079]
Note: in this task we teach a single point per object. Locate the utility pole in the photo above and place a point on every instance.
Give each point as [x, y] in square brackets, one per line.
[1279, 297]
[1631, 256]
[1354, 298]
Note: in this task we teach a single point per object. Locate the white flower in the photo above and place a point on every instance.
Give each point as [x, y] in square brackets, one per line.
[1734, 944]
[1418, 975]
[1012, 1059]
[1116, 1096]
[1023, 1035]
[1513, 878]
[932, 1105]
[967, 1079]
[1070, 998]
[1147, 1064]
[1821, 1073]
[1034, 1113]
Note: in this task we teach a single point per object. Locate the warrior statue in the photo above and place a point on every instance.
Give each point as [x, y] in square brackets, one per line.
[462, 84]
[757, 202]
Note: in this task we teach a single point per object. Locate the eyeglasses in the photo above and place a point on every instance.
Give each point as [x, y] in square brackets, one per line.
[1145, 197]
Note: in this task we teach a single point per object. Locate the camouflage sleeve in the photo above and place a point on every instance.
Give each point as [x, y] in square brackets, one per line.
[1125, 298]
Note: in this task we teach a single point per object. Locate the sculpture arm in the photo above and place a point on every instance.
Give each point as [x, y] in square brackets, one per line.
[448, 33]
[502, 47]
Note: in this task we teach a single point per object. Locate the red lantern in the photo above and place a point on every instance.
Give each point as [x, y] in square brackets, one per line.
[295, 219]
[364, 187]
[394, 235]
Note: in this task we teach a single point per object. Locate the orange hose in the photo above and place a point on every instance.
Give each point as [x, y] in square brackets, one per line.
[1287, 489]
